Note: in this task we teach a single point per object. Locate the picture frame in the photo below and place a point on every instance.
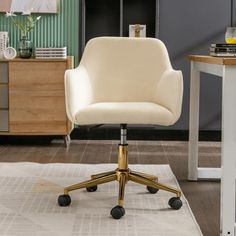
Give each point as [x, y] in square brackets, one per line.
[33, 6]
[3, 43]
[137, 30]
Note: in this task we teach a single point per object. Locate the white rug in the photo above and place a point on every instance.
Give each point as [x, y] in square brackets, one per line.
[28, 203]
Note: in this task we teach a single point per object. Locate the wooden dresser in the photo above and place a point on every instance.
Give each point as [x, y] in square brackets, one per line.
[32, 97]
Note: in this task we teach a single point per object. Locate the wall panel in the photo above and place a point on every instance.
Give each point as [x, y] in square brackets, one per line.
[53, 30]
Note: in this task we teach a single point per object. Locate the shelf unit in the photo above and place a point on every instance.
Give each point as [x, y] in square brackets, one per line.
[112, 18]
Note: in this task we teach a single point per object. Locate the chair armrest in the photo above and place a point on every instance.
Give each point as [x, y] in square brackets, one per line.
[77, 91]
[169, 92]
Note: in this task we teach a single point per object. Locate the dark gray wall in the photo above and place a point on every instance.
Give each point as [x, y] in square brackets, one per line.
[189, 27]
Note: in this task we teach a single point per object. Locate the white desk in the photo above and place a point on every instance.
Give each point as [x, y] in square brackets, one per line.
[225, 68]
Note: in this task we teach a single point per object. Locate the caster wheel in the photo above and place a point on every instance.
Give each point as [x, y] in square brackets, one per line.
[152, 190]
[64, 200]
[171, 200]
[175, 203]
[117, 212]
[92, 189]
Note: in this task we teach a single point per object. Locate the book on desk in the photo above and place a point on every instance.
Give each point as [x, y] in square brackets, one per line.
[222, 50]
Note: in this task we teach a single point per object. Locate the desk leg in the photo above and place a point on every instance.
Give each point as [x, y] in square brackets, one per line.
[228, 151]
[193, 123]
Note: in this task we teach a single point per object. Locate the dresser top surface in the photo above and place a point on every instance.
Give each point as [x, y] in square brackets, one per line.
[17, 59]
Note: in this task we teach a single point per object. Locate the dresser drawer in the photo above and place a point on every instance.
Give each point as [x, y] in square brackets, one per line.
[3, 120]
[3, 72]
[3, 96]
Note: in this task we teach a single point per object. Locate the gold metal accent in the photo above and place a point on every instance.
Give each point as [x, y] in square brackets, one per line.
[102, 174]
[90, 183]
[123, 174]
[152, 177]
[123, 157]
[122, 182]
[145, 181]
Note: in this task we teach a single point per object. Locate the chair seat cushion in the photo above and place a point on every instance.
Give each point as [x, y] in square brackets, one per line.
[124, 113]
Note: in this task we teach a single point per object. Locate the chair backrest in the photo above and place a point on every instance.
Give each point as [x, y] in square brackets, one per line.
[124, 69]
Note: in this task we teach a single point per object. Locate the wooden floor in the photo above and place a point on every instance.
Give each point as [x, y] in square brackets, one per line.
[203, 196]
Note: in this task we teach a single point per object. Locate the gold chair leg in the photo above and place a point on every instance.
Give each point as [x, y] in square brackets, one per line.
[122, 174]
[145, 181]
[102, 174]
[152, 177]
[90, 183]
[122, 181]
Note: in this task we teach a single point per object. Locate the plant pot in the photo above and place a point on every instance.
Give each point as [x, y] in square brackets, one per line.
[25, 48]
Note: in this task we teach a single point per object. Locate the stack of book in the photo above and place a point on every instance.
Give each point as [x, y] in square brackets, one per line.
[223, 50]
[51, 53]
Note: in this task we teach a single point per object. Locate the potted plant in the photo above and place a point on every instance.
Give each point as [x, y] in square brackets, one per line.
[26, 25]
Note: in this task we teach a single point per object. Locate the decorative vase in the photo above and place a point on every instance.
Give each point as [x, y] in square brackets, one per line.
[25, 47]
[230, 35]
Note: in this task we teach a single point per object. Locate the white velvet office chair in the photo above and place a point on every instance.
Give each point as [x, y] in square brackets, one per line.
[123, 81]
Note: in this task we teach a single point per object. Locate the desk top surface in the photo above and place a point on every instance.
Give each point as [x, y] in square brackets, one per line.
[213, 60]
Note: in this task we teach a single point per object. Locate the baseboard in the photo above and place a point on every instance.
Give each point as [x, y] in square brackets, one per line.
[27, 140]
[113, 133]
